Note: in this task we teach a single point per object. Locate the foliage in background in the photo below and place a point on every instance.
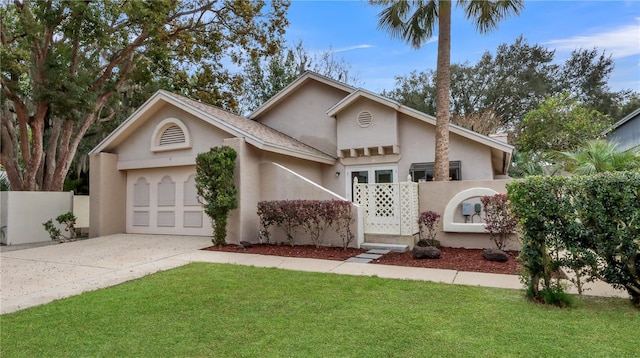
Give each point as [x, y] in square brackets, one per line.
[597, 156]
[414, 22]
[589, 224]
[215, 177]
[69, 221]
[529, 163]
[505, 85]
[500, 224]
[69, 67]
[4, 181]
[559, 124]
[314, 216]
[428, 224]
[266, 76]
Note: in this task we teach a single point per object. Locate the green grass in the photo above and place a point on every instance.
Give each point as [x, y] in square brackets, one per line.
[209, 310]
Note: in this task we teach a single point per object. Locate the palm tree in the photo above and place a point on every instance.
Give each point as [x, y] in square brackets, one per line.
[598, 156]
[414, 21]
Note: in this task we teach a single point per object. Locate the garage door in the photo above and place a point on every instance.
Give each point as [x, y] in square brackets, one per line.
[164, 201]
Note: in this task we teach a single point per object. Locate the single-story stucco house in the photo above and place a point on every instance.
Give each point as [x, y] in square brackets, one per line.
[308, 142]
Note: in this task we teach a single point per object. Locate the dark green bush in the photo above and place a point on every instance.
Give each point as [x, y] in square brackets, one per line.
[588, 224]
[215, 184]
[67, 219]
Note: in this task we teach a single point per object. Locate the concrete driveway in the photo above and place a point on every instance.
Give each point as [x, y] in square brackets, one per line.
[42, 274]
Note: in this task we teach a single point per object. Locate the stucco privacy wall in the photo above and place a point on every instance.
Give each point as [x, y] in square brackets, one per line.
[285, 184]
[302, 115]
[435, 196]
[81, 210]
[107, 201]
[24, 212]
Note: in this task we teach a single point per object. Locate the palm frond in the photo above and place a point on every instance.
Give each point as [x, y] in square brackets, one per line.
[601, 156]
[486, 14]
[411, 21]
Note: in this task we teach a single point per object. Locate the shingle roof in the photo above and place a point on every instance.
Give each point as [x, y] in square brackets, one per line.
[255, 129]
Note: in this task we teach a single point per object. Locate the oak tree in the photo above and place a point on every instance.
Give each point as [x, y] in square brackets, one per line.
[68, 66]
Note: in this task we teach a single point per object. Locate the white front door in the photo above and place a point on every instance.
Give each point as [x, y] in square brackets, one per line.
[370, 174]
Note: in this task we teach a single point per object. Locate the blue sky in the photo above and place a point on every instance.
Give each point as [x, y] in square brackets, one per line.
[350, 28]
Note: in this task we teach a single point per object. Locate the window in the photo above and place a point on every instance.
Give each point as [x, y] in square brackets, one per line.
[374, 174]
[424, 171]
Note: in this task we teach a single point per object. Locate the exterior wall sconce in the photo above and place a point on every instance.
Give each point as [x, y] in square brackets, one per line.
[337, 174]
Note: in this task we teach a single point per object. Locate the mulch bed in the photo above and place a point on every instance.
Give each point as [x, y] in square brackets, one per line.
[451, 258]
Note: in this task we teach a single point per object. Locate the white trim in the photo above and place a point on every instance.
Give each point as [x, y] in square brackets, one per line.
[159, 131]
[155, 163]
[369, 168]
[167, 97]
[361, 93]
[308, 181]
[622, 121]
[447, 219]
[293, 86]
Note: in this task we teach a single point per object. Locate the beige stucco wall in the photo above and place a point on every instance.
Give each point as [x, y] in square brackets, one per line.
[435, 196]
[108, 187]
[417, 145]
[81, 210]
[383, 130]
[243, 221]
[137, 146]
[303, 116]
[24, 212]
[282, 183]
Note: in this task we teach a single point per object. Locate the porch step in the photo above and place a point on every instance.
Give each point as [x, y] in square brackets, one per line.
[382, 246]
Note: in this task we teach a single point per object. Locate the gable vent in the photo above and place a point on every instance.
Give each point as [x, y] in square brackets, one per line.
[365, 118]
[172, 135]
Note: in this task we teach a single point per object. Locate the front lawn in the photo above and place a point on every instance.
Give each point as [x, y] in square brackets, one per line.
[209, 310]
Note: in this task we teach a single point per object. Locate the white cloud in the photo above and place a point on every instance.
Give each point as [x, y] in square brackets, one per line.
[350, 48]
[618, 42]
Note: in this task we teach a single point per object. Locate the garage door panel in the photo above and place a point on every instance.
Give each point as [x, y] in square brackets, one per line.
[193, 219]
[164, 201]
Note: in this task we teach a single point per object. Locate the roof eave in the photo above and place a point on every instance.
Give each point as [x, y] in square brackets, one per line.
[622, 121]
[289, 89]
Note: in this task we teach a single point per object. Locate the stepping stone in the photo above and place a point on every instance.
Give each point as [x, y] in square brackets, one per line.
[367, 255]
[378, 251]
[358, 260]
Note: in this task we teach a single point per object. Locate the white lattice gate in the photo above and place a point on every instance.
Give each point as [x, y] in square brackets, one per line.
[390, 208]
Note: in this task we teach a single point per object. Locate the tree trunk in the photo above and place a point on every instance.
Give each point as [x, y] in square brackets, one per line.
[443, 84]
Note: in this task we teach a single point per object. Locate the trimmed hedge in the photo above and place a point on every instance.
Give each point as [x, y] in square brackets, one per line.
[587, 224]
[313, 216]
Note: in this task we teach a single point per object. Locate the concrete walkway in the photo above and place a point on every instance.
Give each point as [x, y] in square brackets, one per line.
[39, 275]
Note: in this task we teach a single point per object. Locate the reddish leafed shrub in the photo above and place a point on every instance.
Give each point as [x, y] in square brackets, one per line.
[500, 224]
[314, 216]
[428, 222]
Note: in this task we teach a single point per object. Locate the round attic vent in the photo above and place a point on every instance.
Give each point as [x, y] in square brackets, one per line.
[365, 118]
